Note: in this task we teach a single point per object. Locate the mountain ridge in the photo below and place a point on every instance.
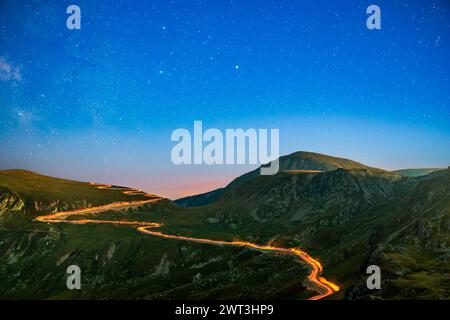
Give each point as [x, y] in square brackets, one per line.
[348, 217]
[299, 160]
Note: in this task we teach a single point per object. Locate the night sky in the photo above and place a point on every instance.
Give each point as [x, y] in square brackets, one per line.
[100, 103]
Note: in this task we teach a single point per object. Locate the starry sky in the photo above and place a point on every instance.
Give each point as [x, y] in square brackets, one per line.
[100, 103]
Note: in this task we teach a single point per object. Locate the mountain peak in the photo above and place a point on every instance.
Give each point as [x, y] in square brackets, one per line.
[304, 160]
[300, 161]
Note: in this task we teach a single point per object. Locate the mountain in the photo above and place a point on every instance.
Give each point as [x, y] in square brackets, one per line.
[344, 213]
[27, 193]
[301, 160]
[415, 256]
[116, 261]
[351, 218]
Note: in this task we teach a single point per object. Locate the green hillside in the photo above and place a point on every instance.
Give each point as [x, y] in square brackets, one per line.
[350, 219]
[25, 194]
[345, 214]
[118, 262]
[35, 186]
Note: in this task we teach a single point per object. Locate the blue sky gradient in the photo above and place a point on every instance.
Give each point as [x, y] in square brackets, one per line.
[100, 103]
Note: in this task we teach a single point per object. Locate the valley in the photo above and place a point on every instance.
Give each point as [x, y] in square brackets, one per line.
[243, 241]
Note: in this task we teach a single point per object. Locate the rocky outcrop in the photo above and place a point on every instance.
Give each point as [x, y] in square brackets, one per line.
[13, 205]
[10, 204]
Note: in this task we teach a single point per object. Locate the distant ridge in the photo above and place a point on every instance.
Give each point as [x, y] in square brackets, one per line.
[417, 172]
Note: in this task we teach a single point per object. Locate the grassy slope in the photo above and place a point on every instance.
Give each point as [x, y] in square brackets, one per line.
[342, 245]
[118, 262]
[31, 185]
[343, 241]
[417, 260]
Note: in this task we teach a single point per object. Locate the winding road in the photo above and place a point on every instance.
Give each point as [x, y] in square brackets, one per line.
[323, 287]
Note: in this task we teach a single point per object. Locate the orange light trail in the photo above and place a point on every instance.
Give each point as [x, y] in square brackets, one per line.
[320, 284]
